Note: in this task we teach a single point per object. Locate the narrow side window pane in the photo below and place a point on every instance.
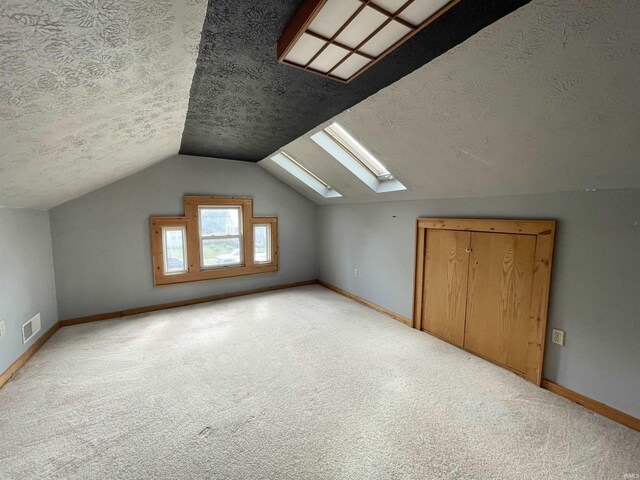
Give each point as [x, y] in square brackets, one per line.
[174, 249]
[262, 243]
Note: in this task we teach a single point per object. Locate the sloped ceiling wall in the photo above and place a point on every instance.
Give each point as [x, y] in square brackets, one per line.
[244, 104]
[90, 92]
[94, 90]
[544, 100]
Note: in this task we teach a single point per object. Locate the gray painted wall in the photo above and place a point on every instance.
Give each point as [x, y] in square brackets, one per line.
[101, 241]
[26, 278]
[595, 294]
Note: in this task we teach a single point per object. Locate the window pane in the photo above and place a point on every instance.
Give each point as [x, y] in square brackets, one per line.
[219, 221]
[262, 243]
[221, 251]
[175, 258]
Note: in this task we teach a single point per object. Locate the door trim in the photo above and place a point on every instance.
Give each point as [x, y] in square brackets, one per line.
[538, 313]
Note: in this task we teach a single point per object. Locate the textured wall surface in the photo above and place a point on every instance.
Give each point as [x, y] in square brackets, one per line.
[102, 241]
[545, 99]
[26, 278]
[90, 92]
[595, 284]
[244, 104]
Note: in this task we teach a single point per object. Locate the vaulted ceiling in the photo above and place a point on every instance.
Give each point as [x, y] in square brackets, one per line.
[94, 90]
[90, 92]
[544, 100]
[489, 99]
[244, 104]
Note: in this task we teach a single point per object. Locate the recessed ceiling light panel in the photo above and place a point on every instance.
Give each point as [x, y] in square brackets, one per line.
[340, 39]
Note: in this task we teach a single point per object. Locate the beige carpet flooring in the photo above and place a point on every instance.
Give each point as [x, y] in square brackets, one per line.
[294, 384]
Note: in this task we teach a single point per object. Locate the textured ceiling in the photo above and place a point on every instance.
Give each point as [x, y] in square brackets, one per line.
[90, 91]
[544, 100]
[244, 104]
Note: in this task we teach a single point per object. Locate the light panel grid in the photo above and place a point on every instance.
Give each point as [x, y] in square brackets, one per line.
[340, 39]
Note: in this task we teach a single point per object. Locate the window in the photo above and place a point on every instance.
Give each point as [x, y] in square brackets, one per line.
[220, 236]
[336, 141]
[361, 154]
[217, 237]
[175, 249]
[262, 243]
[303, 174]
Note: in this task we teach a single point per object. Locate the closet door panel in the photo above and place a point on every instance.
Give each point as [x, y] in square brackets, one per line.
[445, 284]
[499, 297]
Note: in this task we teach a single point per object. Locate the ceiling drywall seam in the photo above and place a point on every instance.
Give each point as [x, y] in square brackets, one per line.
[90, 92]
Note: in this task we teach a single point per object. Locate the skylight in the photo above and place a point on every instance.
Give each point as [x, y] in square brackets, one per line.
[353, 147]
[303, 174]
[336, 141]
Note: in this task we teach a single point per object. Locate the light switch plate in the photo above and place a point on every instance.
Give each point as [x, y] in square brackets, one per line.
[3, 328]
[558, 337]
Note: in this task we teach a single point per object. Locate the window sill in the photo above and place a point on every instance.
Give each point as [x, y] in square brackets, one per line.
[225, 272]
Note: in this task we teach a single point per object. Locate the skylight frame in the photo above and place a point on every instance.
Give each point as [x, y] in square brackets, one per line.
[354, 148]
[334, 147]
[306, 176]
[298, 164]
[356, 55]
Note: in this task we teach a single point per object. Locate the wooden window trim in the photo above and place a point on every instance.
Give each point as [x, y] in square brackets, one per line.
[272, 225]
[544, 230]
[190, 221]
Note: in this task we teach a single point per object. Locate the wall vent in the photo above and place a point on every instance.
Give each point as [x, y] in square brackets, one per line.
[30, 328]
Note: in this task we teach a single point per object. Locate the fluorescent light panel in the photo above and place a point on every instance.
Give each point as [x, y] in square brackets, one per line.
[340, 39]
[303, 174]
[338, 143]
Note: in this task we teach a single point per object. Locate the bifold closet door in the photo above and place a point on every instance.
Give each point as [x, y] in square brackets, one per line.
[445, 284]
[499, 297]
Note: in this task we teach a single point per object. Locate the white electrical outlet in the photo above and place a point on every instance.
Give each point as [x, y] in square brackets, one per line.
[3, 328]
[558, 336]
[355, 273]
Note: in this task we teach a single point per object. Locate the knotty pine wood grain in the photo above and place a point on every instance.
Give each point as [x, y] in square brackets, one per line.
[446, 273]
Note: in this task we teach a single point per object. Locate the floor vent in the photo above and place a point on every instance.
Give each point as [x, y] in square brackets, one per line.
[30, 328]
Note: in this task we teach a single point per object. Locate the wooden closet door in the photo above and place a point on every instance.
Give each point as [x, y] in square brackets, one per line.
[445, 284]
[499, 297]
